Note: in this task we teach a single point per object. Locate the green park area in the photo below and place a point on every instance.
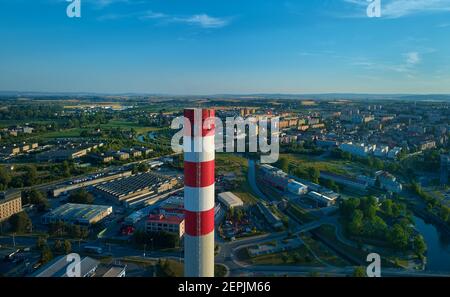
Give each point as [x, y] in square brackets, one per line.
[303, 162]
[298, 256]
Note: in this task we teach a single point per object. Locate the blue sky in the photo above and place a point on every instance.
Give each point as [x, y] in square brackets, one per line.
[225, 46]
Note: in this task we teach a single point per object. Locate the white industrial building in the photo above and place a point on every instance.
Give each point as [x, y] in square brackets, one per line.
[389, 182]
[360, 150]
[394, 152]
[297, 188]
[381, 151]
[321, 199]
[230, 200]
[79, 214]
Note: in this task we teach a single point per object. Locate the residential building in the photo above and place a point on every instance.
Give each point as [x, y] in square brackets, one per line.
[10, 204]
[170, 224]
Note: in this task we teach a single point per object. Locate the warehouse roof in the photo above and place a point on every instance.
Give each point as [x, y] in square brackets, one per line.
[71, 211]
[230, 200]
[132, 184]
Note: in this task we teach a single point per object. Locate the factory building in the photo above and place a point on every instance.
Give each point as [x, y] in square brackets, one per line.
[229, 200]
[89, 267]
[355, 183]
[79, 214]
[135, 189]
[273, 176]
[389, 182]
[322, 200]
[88, 182]
[297, 188]
[59, 268]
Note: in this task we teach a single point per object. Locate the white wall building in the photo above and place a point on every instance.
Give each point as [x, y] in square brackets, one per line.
[297, 188]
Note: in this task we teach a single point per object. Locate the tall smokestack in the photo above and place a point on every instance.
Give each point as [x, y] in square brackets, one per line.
[199, 178]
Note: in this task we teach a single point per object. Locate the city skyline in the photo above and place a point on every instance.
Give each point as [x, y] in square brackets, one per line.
[225, 47]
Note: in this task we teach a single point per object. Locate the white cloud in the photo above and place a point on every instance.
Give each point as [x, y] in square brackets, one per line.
[204, 21]
[412, 58]
[403, 8]
[408, 66]
[199, 20]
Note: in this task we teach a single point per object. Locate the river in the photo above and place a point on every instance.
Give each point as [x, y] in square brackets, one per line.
[438, 254]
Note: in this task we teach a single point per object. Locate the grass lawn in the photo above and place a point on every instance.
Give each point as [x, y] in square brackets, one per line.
[323, 252]
[68, 133]
[299, 256]
[303, 161]
[228, 162]
[129, 125]
[245, 193]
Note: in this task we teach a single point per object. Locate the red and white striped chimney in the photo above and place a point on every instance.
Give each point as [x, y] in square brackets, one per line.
[199, 179]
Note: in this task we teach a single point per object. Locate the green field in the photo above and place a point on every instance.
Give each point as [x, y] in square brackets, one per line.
[129, 125]
[303, 162]
[299, 256]
[68, 133]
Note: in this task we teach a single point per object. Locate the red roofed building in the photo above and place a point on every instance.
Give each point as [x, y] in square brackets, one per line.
[160, 222]
[172, 212]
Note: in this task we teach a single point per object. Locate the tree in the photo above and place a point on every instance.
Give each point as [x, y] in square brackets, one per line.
[67, 247]
[81, 197]
[386, 206]
[58, 246]
[239, 215]
[57, 228]
[356, 224]
[397, 209]
[46, 254]
[419, 245]
[283, 164]
[314, 174]
[30, 176]
[66, 169]
[84, 232]
[445, 213]
[75, 231]
[359, 272]
[142, 167]
[41, 242]
[20, 222]
[377, 228]
[398, 237]
[5, 178]
[37, 198]
[348, 207]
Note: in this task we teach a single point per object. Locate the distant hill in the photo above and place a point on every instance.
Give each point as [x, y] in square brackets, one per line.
[131, 96]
